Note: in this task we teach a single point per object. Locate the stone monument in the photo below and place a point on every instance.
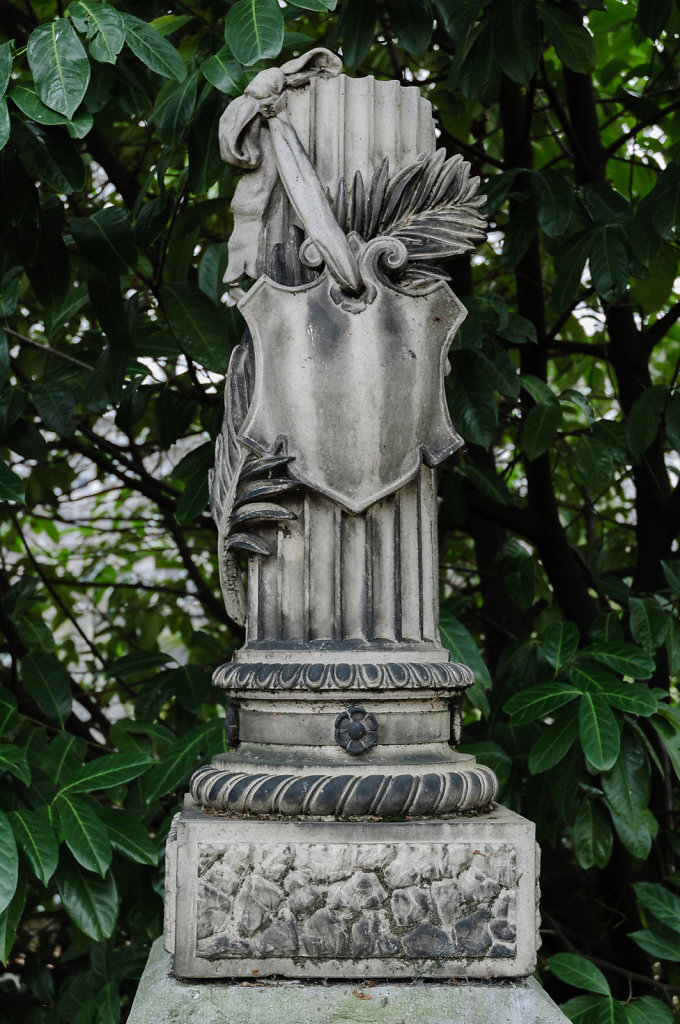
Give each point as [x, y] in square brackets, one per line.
[342, 837]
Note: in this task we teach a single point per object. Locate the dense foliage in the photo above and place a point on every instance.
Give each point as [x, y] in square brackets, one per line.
[559, 554]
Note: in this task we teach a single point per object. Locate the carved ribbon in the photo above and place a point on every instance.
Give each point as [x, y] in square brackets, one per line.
[256, 135]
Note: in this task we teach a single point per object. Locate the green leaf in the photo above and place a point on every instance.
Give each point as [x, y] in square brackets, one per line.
[570, 259]
[253, 30]
[9, 921]
[84, 833]
[91, 902]
[488, 482]
[104, 27]
[632, 698]
[63, 756]
[201, 328]
[461, 644]
[626, 788]
[36, 837]
[471, 400]
[51, 155]
[56, 407]
[180, 758]
[672, 573]
[61, 70]
[627, 659]
[357, 26]
[598, 731]
[560, 643]
[8, 711]
[610, 262]
[648, 622]
[129, 837]
[315, 5]
[664, 201]
[672, 420]
[652, 16]
[12, 487]
[46, 681]
[540, 428]
[516, 39]
[107, 239]
[583, 1009]
[13, 760]
[9, 859]
[554, 743]
[222, 71]
[648, 1010]
[152, 49]
[594, 462]
[592, 835]
[411, 24]
[137, 663]
[659, 901]
[660, 943]
[673, 646]
[29, 104]
[5, 124]
[105, 772]
[644, 419]
[579, 972]
[539, 701]
[174, 107]
[5, 66]
[556, 201]
[573, 42]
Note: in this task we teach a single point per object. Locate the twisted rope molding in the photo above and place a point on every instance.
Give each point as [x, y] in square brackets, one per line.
[344, 676]
[428, 793]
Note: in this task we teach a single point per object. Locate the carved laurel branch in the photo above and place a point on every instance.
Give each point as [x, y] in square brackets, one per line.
[345, 795]
[432, 206]
[243, 485]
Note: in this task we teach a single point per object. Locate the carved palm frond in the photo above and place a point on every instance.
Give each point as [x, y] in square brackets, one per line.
[432, 206]
[251, 507]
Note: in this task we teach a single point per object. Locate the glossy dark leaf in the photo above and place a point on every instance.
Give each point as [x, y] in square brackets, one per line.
[579, 972]
[84, 833]
[539, 701]
[46, 680]
[659, 901]
[554, 743]
[180, 758]
[610, 262]
[556, 199]
[516, 39]
[648, 622]
[61, 70]
[573, 42]
[411, 24]
[540, 428]
[471, 400]
[644, 419]
[9, 858]
[223, 71]
[594, 462]
[137, 663]
[592, 835]
[201, 328]
[107, 239]
[36, 837]
[598, 731]
[625, 658]
[357, 27]
[128, 837]
[560, 643]
[105, 772]
[12, 487]
[152, 49]
[103, 26]
[90, 901]
[56, 407]
[253, 30]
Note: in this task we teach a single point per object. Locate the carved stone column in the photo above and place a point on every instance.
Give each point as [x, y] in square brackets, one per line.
[343, 835]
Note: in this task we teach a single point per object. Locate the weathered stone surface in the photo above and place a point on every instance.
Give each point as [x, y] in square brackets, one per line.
[279, 939]
[428, 941]
[330, 906]
[447, 898]
[256, 899]
[322, 935]
[162, 999]
[360, 892]
[371, 935]
[409, 906]
[472, 932]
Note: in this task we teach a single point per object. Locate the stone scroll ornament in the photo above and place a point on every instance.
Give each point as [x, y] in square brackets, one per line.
[335, 419]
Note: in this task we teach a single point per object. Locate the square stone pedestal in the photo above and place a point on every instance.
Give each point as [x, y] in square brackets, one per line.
[351, 899]
[162, 999]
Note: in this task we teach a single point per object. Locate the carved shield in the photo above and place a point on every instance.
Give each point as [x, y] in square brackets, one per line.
[357, 397]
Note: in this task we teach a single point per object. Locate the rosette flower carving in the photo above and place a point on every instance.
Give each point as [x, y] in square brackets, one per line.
[356, 730]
